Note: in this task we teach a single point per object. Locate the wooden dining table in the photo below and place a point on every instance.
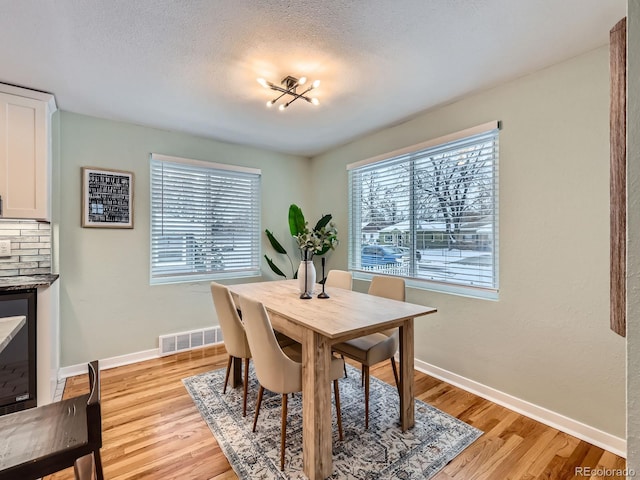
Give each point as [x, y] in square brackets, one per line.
[320, 323]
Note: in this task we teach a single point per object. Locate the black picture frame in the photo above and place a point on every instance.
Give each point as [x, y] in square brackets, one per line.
[107, 198]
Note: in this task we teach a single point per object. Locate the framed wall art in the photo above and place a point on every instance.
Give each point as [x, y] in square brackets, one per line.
[107, 198]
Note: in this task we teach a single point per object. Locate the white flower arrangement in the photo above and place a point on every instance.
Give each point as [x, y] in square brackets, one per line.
[317, 241]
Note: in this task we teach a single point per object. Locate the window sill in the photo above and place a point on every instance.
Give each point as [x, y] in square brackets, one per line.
[430, 285]
[204, 278]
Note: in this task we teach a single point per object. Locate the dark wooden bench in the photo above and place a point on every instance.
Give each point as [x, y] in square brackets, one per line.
[43, 440]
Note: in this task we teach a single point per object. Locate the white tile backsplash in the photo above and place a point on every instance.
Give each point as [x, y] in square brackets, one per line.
[30, 247]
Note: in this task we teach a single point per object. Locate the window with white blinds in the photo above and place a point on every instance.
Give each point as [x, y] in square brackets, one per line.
[205, 220]
[429, 213]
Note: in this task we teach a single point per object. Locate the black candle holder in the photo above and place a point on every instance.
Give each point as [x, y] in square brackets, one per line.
[305, 295]
[323, 294]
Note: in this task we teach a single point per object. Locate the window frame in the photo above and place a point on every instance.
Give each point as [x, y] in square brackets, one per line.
[356, 233]
[254, 270]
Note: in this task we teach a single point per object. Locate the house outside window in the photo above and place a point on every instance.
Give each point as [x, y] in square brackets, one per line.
[433, 208]
[205, 220]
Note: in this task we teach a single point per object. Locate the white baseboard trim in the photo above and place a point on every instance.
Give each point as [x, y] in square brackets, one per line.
[112, 362]
[555, 420]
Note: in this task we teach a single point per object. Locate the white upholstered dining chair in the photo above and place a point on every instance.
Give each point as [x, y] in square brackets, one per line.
[376, 347]
[235, 339]
[339, 279]
[277, 371]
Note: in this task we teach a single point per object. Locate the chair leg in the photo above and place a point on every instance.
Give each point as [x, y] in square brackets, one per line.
[283, 433]
[395, 374]
[226, 377]
[362, 375]
[98, 464]
[258, 403]
[336, 394]
[246, 383]
[344, 366]
[366, 396]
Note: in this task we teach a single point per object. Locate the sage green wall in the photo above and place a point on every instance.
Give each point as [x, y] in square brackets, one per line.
[107, 306]
[547, 340]
[633, 236]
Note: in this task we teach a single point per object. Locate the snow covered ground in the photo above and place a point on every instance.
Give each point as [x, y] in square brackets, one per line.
[466, 267]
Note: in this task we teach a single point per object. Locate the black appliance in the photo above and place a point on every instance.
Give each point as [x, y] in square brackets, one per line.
[17, 351]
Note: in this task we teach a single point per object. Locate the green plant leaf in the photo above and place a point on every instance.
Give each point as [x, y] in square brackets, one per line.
[324, 250]
[323, 222]
[275, 243]
[274, 267]
[296, 220]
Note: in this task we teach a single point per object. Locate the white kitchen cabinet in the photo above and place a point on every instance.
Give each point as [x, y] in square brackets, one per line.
[25, 152]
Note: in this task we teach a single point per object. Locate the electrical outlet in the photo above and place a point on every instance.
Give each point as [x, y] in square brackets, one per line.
[5, 248]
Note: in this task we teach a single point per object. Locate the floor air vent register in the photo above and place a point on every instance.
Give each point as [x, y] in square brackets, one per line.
[183, 341]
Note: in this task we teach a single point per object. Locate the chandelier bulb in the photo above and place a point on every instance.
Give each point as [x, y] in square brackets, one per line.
[282, 107]
[263, 82]
[270, 103]
[302, 80]
[316, 84]
[315, 101]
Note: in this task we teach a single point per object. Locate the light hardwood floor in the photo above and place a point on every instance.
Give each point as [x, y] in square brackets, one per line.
[152, 430]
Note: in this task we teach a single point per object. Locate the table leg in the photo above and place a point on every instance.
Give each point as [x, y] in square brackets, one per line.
[316, 409]
[407, 401]
[235, 376]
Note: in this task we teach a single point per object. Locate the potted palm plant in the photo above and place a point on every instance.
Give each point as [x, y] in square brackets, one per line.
[317, 241]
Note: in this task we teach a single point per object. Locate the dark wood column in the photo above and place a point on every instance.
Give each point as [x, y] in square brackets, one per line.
[618, 178]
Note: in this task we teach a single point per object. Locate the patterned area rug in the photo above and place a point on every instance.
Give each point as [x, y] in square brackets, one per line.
[382, 452]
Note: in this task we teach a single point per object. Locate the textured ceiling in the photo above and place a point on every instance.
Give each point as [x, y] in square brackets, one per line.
[192, 65]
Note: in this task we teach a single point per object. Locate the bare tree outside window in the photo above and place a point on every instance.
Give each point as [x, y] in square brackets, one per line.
[456, 190]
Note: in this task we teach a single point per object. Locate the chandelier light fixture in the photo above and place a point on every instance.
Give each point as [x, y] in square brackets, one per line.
[289, 88]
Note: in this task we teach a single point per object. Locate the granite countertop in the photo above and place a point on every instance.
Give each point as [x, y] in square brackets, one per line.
[9, 326]
[23, 282]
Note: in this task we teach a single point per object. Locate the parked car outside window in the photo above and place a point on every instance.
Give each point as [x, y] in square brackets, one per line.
[379, 255]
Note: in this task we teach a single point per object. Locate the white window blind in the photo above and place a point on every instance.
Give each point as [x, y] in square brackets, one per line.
[430, 214]
[205, 220]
